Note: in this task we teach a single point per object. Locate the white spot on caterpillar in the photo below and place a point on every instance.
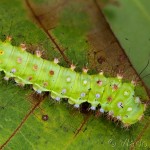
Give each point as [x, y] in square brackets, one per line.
[120, 105]
[85, 82]
[119, 117]
[83, 94]
[101, 110]
[97, 95]
[64, 91]
[39, 91]
[76, 105]
[129, 109]
[126, 93]
[93, 108]
[57, 99]
[137, 100]
[13, 70]
[68, 79]
[6, 78]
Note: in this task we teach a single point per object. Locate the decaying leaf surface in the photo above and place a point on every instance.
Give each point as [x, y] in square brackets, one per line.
[74, 31]
[130, 21]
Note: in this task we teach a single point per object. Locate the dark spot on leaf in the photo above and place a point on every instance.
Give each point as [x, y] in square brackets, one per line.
[101, 59]
[45, 117]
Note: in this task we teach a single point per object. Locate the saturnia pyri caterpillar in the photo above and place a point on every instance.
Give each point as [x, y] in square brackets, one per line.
[112, 94]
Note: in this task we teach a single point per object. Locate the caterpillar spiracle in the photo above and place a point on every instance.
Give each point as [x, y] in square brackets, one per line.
[114, 96]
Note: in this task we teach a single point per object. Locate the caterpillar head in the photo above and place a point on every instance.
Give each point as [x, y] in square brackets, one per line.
[123, 103]
[130, 108]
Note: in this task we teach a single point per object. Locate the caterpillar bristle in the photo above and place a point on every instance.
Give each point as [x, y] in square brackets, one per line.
[111, 113]
[145, 106]
[126, 126]
[119, 76]
[137, 100]
[134, 82]
[38, 53]
[101, 72]
[23, 46]
[85, 70]
[20, 84]
[56, 61]
[8, 39]
[118, 123]
[72, 67]
[109, 117]
[115, 119]
[141, 117]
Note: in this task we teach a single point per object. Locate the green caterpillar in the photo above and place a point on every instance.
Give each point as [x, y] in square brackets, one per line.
[114, 96]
